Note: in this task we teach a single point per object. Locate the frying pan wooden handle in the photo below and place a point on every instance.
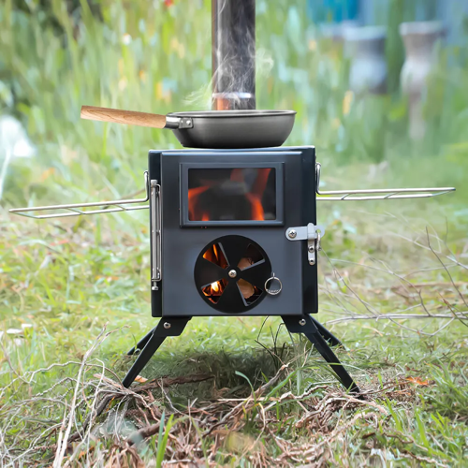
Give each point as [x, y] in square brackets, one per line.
[143, 119]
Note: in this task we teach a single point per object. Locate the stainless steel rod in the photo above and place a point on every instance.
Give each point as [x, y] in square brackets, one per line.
[398, 193]
[390, 190]
[79, 213]
[382, 197]
[73, 207]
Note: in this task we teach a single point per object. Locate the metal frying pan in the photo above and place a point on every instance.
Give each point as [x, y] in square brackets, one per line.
[209, 129]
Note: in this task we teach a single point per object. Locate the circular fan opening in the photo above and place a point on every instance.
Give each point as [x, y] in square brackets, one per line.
[230, 274]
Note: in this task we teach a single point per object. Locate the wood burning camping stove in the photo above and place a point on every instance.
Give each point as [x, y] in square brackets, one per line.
[236, 231]
[233, 232]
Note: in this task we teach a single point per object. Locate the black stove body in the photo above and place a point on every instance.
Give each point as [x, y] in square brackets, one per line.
[233, 233]
[222, 218]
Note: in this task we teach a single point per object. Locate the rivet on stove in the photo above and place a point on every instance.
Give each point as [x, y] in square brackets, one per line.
[311, 248]
[232, 273]
[302, 322]
[167, 325]
[292, 233]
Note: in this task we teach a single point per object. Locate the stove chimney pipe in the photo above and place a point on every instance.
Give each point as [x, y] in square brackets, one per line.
[233, 54]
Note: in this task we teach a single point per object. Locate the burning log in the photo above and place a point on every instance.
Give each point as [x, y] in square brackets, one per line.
[245, 287]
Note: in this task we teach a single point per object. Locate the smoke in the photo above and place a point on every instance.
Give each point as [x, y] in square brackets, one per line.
[235, 81]
[236, 62]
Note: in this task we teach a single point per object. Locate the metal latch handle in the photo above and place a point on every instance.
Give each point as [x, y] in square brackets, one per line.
[312, 234]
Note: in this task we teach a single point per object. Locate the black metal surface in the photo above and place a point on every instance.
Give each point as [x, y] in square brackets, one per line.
[182, 245]
[308, 205]
[151, 342]
[304, 324]
[233, 54]
[236, 129]
[234, 248]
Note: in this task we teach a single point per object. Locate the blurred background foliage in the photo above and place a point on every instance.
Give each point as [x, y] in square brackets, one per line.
[71, 277]
[155, 56]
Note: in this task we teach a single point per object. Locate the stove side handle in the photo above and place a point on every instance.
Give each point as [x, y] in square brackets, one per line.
[154, 167]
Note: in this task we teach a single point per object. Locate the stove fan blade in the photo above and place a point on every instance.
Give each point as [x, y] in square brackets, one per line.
[230, 274]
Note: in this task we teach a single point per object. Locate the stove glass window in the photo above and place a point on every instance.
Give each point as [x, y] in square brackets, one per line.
[237, 194]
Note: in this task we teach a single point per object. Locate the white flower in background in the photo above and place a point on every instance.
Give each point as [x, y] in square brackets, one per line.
[126, 39]
[13, 138]
[13, 143]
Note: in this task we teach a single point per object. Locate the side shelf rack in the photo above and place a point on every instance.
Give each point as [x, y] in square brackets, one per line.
[78, 209]
[115, 206]
[376, 194]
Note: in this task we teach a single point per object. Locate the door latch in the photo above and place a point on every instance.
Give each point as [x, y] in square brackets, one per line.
[312, 234]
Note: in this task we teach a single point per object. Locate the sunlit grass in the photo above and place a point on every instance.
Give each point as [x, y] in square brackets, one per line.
[63, 282]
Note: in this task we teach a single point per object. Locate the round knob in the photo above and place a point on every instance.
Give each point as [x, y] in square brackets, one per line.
[232, 273]
[273, 286]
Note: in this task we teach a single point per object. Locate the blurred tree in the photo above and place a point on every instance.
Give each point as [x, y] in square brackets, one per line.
[394, 45]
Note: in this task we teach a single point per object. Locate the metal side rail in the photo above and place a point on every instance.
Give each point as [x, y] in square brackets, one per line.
[377, 194]
[76, 209]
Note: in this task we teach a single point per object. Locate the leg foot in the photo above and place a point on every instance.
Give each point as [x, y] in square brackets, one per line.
[305, 324]
[151, 342]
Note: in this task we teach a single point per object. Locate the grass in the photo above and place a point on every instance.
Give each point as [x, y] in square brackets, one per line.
[74, 294]
[70, 290]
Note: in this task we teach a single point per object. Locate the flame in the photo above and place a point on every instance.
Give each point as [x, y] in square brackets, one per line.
[194, 192]
[193, 195]
[257, 209]
[261, 182]
[214, 254]
[214, 290]
[202, 213]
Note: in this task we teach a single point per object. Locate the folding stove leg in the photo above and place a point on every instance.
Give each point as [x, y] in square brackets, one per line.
[151, 342]
[305, 324]
[327, 334]
[142, 343]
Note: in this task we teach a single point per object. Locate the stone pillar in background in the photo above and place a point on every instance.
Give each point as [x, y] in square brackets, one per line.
[366, 46]
[419, 40]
